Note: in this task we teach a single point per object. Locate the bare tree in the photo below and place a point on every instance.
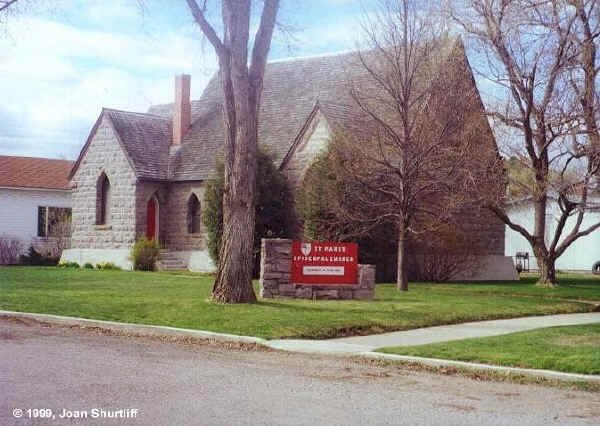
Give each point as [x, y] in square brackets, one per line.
[5, 4]
[584, 76]
[10, 249]
[537, 55]
[15, 8]
[241, 74]
[413, 172]
[59, 230]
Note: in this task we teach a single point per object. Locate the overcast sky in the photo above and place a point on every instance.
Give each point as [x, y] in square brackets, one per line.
[59, 66]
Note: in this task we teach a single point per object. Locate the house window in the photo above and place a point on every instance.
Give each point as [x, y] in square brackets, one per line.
[194, 215]
[54, 222]
[103, 200]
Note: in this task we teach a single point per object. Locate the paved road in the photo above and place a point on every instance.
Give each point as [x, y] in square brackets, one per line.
[202, 384]
[444, 333]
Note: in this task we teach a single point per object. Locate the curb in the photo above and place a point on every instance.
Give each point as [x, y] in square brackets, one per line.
[142, 329]
[157, 330]
[472, 366]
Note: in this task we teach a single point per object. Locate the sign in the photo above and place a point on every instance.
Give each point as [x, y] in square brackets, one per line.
[324, 263]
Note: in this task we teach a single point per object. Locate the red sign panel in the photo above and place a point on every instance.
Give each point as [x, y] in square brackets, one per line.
[324, 263]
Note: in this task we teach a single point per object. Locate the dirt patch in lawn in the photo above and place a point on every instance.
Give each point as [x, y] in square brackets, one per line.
[593, 341]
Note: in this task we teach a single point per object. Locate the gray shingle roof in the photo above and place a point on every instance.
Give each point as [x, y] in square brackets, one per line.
[201, 146]
[291, 90]
[146, 138]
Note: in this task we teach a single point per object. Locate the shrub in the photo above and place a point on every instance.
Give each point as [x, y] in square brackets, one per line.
[144, 254]
[88, 265]
[33, 258]
[318, 200]
[10, 248]
[107, 266]
[274, 207]
[68, 265]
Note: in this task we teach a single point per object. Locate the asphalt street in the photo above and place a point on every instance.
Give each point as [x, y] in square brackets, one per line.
[88, 372]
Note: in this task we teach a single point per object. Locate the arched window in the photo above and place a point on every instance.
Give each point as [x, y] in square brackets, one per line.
[103, 200]
[194, 215]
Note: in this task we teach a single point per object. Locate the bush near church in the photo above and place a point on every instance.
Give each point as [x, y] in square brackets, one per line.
[144, 255]
[316, 199]
[274, 207]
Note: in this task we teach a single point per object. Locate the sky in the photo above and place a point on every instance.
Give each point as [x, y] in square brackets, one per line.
[61, 61]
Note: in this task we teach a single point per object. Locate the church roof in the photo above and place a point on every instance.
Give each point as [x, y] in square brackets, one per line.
[292, 90]
[146, 139]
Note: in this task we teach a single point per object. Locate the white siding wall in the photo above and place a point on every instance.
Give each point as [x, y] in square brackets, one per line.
[19, 209]
[581, 255]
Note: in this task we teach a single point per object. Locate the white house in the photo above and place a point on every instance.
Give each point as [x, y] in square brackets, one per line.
[34, 194]
[580, 256]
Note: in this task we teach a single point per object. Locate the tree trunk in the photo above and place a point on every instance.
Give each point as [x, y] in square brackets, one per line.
[402, 273]
[544, 260]
[233, 283]
[241, 81]
[547, 272]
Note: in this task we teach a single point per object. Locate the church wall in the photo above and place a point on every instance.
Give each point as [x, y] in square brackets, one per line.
[314, 142]
[176, 235]
[104, 155]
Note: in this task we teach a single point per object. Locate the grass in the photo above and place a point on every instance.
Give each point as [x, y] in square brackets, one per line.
[181, 300]
[573, 349]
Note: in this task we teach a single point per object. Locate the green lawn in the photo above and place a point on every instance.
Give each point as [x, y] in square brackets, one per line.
[181, 300]
[574, 349]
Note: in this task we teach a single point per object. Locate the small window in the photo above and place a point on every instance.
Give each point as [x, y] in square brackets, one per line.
[194, 215]
[54, 222]
[42, 222]
[103, 200]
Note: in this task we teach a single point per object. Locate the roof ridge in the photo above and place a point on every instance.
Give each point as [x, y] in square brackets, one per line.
[137, 113]
[315, 56]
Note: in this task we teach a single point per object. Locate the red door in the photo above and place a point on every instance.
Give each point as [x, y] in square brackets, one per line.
[151, 219]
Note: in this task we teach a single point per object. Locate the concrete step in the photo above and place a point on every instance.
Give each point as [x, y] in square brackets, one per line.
[172, 261]
[170, 267]
[169, 261]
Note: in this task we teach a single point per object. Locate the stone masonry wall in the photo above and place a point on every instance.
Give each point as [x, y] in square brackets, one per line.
[176, 234]
[486, 231]
[104, 154]
[275, 277]
[315, 141]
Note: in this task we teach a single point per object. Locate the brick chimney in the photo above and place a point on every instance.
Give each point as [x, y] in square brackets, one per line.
[182, 115]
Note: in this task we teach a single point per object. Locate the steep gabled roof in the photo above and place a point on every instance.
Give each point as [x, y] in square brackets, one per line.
[30, 172]
[341, 118]
[201, 146]
[291, 90]
[145, 139]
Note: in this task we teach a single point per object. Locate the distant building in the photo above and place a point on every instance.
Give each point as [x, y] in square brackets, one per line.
[35, 199]
[580, 256]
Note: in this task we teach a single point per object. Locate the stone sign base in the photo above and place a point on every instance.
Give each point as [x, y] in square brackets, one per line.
[275, 277]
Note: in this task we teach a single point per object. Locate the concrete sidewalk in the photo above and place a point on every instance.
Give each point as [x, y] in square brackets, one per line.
[445, 333]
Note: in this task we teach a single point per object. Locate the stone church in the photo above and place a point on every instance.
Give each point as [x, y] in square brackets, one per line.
[143, 174]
